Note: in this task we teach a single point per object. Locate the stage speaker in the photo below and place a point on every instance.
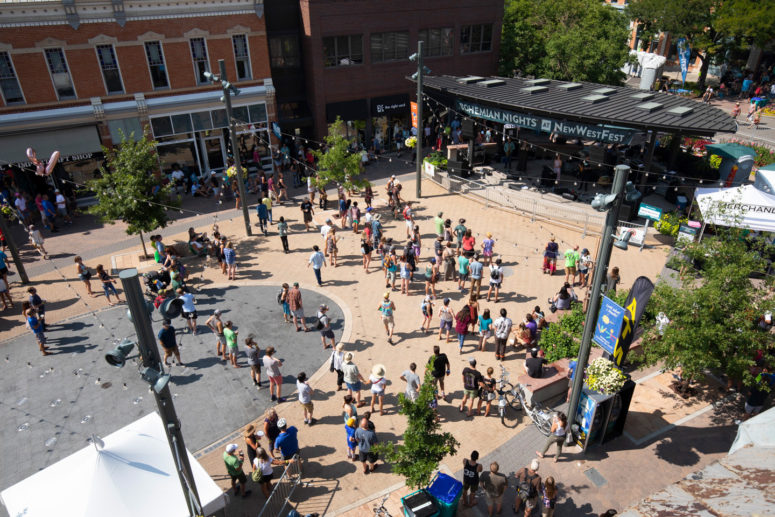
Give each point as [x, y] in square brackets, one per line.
[458, 168]
[467, 128]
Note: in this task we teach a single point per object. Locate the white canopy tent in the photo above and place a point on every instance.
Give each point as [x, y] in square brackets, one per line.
[133, 474]
[742, 207]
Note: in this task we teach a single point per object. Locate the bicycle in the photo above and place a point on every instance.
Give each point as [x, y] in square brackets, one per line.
[538, 413]
[380, 510]
[507, 394]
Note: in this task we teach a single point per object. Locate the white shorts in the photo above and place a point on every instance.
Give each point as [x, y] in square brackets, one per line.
[409, 224]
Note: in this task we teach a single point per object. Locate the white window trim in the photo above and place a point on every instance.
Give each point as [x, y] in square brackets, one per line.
[164, 60]
[69, 73]
[250, 61]
[2, 94]
[193, 61]
[102, 72]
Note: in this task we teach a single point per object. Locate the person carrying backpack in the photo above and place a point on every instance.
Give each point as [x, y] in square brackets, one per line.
[496, 279]
[528, 488]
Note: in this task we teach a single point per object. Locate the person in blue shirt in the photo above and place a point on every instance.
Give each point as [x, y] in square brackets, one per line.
[39, 305]
[286, 442]
[571, 375]
[36, 326]
[376, 230]
[4, 268]
[50, 211]
[263, 217]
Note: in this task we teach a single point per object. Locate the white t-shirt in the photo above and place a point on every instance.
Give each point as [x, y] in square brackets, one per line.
[177, 175]
[20, 203]
[188, 302]
[502, 327]
[317, 259]
[61, 201]
[324, 230]
[265, 467]
[377, 384]
[305, 392]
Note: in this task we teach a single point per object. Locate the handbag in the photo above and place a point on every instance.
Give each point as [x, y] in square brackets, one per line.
[255, 476]
[331, 366]
[553, 307]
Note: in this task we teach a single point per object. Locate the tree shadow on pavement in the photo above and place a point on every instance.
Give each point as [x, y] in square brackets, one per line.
[569, 507]
[317, 451]
[685, 445]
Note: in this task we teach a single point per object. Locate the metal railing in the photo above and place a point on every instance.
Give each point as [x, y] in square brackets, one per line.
[283, 489]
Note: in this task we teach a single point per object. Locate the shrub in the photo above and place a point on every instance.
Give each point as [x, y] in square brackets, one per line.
[437, 159]
[669, 222]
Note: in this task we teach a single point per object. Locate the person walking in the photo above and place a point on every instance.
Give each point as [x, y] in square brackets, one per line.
[317, 260]
[548, 496]
[188, 309]
[355, 216]
[412, 380]
[496, 279]
[253, 360]
[231, 342]
[263, 217]
[366, 438]
[233, 463]
[408, 219]
[485, 329]
[324, 326]
[272, 366]
[168, 342]
[215, 324]
[386, 309]
[331, 248]
[305, 397]
[4, 295]
[390, 264]
[36, 326]
[405, 273]
[307, 211]
[556, 436]
[439, 365]
[297, 309]
[494, 484]
[462, 321]
[337, 363]
[476, 268]
[472, 384]
[502, 328]
[282, 231]
[36, 238]
[446, 317]
[366, 250]
[471, 470]
[108, 286]
[550, 256]
[267, 202]
[528, 488]
[427, 313]
[37, 303]
[431, 277]
[378, 383]
[353, 378]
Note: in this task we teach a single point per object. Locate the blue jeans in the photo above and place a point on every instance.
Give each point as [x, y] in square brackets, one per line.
[460, 338]
[317, 275]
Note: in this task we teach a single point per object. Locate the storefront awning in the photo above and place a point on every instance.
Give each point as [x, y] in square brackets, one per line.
[69, 142]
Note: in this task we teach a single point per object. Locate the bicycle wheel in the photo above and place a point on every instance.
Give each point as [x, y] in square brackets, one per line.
[509, 393]
[543, 424]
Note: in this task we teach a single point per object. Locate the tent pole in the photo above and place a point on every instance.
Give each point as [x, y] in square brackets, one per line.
[702, 231]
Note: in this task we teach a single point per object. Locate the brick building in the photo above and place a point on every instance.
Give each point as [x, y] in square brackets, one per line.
[349, 58]
[74, 74]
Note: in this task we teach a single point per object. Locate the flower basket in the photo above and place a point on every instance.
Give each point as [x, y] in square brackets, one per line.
[231, 172]
[411, 141]
[604, 377]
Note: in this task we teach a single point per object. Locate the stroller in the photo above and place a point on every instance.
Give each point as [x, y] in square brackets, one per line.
[154, 281]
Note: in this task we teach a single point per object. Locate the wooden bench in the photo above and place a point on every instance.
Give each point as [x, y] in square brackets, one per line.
[555, 380]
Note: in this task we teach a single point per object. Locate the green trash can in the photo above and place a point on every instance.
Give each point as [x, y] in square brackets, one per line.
[446, 491]
[420, 504]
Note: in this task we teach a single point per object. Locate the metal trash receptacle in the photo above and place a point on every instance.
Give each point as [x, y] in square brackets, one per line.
[420, 504]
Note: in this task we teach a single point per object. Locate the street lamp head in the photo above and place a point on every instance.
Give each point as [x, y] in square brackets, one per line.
[234, 90]
[414, 76]
[426, 70]
[631, 194]
[148, 310]
[413, 57]
[211, 76]
[623, 239]
[117, 356]
[155, 378]
[603, 202]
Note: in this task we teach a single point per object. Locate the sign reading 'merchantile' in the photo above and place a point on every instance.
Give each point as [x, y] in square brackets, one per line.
[547, 125]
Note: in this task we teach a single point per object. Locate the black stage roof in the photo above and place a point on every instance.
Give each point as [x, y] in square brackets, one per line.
[590, 103]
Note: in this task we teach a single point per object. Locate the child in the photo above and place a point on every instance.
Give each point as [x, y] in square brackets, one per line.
[427, 313]
[350, 428]
[39, 304]
[37, 240]
[107, 285]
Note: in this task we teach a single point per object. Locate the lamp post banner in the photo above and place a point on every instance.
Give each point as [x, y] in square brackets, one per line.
[607, 134]
[633, 310]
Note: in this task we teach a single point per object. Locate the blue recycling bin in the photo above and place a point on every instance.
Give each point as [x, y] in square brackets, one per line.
[446, 490]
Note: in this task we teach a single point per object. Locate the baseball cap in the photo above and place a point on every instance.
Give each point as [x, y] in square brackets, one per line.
[166, 322]
[232, 447]
[217, 312]
[282, 423]
[369, 209]
[323, 306]
[472, 361]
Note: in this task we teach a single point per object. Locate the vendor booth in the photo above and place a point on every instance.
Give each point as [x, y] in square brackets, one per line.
[742, 207]
[129, 473]
[736, 162]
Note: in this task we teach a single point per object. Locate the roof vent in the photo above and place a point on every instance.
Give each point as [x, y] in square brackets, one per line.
[604, 91]
[594, 99]
[537, 82]
[569, 86]
[470, 79]
[491, 82]
[535, 89]
[681, 111]
[644, 96]
[649, 106]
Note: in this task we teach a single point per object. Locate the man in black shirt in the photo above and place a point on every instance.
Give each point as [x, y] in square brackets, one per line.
[472, 383]
[307, 210]
[534, 365]
[439, 368]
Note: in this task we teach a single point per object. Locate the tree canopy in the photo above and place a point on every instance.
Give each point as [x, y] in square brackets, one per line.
[336, 163]
[572, 40]
[129, 191]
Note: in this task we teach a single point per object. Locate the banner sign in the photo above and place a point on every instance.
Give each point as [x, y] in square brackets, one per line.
[633, 310]
[609, 325]
[413, 106]
[637, 235]
[277, 131]
[649, 212]
[684, 53]
[611, 135]
[686, 233]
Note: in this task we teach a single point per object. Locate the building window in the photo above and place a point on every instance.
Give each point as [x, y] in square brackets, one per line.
[199, 55]
[241, 56]
[284, 51]
[110, 71]
[156, 64]
[59, 73]
[476, 38]
[343, 50]
[438, 42]
[9, 84]
[389, 46]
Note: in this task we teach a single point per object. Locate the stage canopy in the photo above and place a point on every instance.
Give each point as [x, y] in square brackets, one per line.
[133, 474]
[742, 207]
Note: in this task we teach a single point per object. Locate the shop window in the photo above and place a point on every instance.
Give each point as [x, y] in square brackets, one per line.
[241, 56]
[240, 114]
[284, 51]
[219, 118]
[257, 113]
[389, 46]
[438, 42]
[9, 84]
[155, 57]
[181, 123]
[110, 71]
[127, 126]
[201, 120]
[476, 38]
[60, 74]
[199, 55]
[161, 126]
[343, 50]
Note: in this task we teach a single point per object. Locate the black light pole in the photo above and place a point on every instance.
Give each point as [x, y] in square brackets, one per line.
[228, 91]
[420, 130]
[17, 260]
[612, 203]
[149, 353]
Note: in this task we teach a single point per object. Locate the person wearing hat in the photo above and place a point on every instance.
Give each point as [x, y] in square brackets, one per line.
[378, 383]
[386, 309]
[350, 427]
[584, 266]
[571, 257]
[438, 223]
[287, 441]
[460, 232]
[168, 342]
[61, 204]
[233, 463]
[336, 364]
[324, 326]
[352, 378]
[528, 488]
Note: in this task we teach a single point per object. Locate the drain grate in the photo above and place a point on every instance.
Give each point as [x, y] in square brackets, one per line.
[595, 477]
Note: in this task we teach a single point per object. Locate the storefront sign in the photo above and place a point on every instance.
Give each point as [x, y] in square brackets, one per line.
[391, 105]
[414, 114]
[611, 135]
[429, 169]
[62, 159]
[649, 212]
[609, 325]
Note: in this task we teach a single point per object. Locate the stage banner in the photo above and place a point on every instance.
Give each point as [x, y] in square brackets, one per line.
[684, 53]
[633, 310]
[413, 106]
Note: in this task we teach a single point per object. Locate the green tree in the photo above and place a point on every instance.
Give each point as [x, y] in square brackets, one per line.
[714, 312]
[128, 189]
[572, 40]
[336, 163]
[424, 445]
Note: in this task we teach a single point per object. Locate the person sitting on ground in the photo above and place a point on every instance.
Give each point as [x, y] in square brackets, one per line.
[534, 365]
[562, 300]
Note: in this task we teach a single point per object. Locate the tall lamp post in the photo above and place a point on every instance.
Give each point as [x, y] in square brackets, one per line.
[152, 372]
[228, 91]
[417, 76]
[611, 203]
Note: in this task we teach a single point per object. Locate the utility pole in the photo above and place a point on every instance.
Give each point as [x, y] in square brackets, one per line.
[601, 269]
[17, 260]
[420, 129]
[227, 90]
[146, 344]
